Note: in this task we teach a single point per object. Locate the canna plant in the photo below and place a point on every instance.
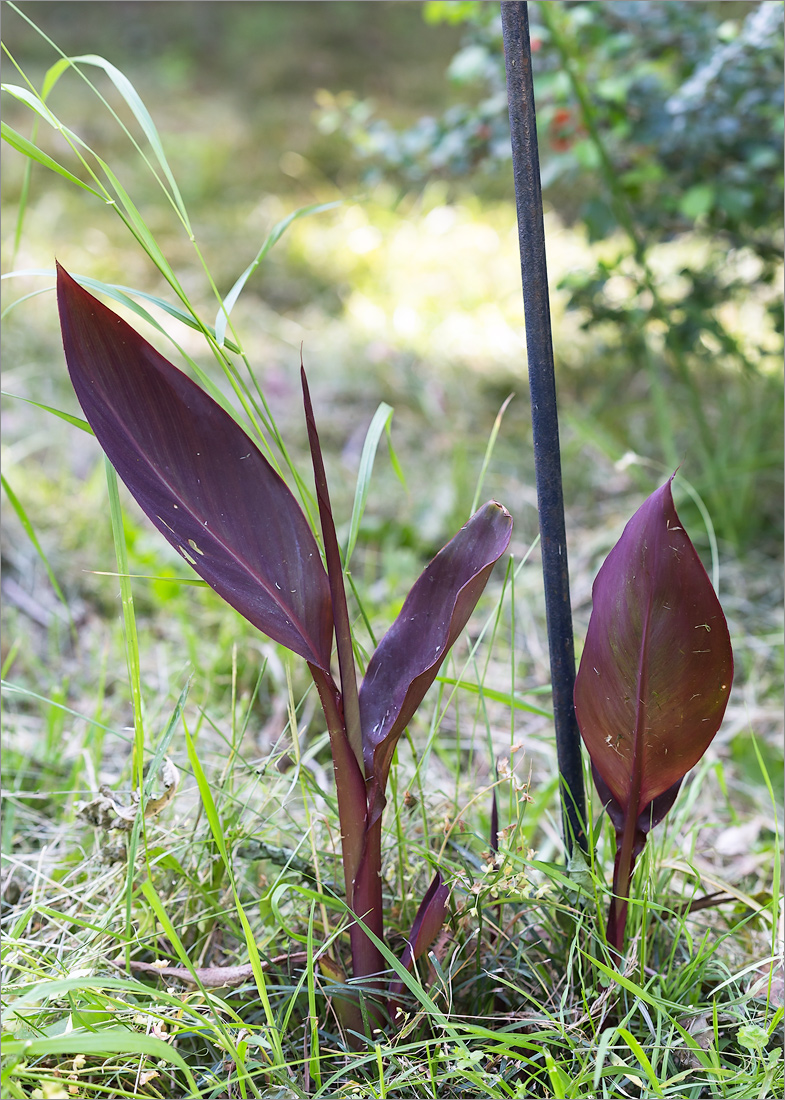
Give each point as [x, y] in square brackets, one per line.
[211, 493]
[653, 681]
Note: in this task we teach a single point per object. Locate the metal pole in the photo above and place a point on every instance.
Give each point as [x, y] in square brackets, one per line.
[545, 425]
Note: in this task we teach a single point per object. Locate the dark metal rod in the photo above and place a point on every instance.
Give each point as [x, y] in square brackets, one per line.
[545, 424]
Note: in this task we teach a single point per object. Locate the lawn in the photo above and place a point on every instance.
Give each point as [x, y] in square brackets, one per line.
[407, 296]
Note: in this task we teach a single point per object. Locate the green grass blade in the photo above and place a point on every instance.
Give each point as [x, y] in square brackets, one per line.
[142, 116]
[25, 297]
[135, 681]
[138, 227]
[24, 196]
[488, 453]
[162, 917]
[166, 740]
[24, 519]
[129, 621]
[643, 1060]
[22, 145]
[125, 296]
[115, 1040]
[314, 1064]
[381, 420]
[194, 582]
[53, 74]
[216, 829]
[560, 1082]
[19, 690]
[498, 696]
[275, 234]
[659, 1005]
[33, 101]
[69, 419]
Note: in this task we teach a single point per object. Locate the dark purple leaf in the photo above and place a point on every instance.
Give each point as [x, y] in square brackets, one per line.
[653, 682]
[343, 630]
[657, 666]
[203, 483]
[649, 816]
[426, 927]
[411, 653]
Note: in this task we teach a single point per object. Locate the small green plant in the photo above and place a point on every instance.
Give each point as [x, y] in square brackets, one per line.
[210, 491]
[653, 682]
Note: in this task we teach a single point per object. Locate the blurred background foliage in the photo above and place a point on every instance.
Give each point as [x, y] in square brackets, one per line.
[661, 131]
[660, 122]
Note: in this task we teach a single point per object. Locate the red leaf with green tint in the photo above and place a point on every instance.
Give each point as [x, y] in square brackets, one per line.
[196, 474]
[654, 677]
[436, 610]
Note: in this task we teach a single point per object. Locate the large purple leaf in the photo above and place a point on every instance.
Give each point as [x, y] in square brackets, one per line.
[203, 483]
[653, 682]
[411, 653]
[657, 666]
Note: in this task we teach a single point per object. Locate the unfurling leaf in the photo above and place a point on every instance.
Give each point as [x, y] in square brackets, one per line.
[436, 610]
[654, 677]
[406, 663]
[197, 475]
[426, 927]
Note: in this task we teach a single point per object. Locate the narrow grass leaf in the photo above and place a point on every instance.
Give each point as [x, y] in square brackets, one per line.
[658, 1004]
[560, 1082]
[606, 1039]
[125, 296]
[24, 519]
[381, 420]
[216, 829]
[142, 116]
[135, 683]
[164, 743]
[24, 298]
[34, 102]
[26, 147]
[150, 893]
[115, 1040]
[76, 421]
[275, 234]
[53, 74]
[314, 1061]
[141, 232]
[509, 700]
[190, 581]
[489, 452]
[643, 1060]
[129, 621]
